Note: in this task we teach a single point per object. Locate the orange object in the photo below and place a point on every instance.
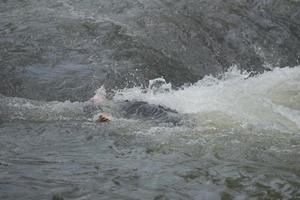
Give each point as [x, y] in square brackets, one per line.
[103, 118]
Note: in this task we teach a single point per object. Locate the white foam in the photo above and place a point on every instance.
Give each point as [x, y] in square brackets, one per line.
[271, 99]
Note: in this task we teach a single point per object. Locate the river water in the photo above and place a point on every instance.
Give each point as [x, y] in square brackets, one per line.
[203, 97]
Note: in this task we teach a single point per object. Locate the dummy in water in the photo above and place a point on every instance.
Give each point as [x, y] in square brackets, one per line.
[136, 110]
[105, 110]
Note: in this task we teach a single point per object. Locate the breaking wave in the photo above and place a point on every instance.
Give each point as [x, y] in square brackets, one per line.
[270, 100]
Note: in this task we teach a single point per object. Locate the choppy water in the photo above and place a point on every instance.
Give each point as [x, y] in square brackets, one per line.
[201, 102]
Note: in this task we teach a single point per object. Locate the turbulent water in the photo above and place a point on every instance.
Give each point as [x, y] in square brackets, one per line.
[203, 97]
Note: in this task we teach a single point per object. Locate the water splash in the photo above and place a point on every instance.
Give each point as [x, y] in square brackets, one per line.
[271, 99]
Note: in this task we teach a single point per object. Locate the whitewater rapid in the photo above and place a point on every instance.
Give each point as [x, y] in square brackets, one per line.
[233, 100]
[269, 100]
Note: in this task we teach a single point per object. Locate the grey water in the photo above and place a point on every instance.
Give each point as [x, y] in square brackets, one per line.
[203, 97]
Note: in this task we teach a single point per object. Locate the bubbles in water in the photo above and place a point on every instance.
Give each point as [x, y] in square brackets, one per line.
[159, 85]
[270, 99]
[233, 100]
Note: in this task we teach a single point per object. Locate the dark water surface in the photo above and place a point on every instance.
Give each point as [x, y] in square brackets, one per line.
[120, 43]
[203, 97]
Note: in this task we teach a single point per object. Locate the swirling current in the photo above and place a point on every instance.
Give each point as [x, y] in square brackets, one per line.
[203, 99]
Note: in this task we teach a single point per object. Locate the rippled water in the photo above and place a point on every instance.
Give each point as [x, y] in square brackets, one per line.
[202, 105]
[219, 149]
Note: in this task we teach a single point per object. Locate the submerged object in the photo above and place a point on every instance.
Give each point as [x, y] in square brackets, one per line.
[103, 117]
[146, 111]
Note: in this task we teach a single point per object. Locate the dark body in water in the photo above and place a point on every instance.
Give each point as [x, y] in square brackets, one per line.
[144, 110]
[235, 137]
[20, 109]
